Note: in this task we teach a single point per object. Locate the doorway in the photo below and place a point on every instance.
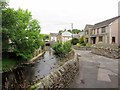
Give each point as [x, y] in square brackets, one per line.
[94, 40]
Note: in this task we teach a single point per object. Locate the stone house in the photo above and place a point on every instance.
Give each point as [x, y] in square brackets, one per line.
[105, 32]
[87, 33]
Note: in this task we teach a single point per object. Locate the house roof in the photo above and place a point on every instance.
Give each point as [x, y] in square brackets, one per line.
[53, 34]
[88, 26]
[66, 33]
[105, 23]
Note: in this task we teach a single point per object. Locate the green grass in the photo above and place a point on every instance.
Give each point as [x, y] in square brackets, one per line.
[8, 64]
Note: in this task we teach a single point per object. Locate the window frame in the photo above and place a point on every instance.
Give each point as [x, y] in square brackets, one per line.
[100, 38]
[103, 29]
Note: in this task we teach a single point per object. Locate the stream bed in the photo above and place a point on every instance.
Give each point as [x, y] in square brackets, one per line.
[24, 76]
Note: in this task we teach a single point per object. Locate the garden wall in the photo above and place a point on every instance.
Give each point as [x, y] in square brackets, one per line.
[61, 77]
[108, 52]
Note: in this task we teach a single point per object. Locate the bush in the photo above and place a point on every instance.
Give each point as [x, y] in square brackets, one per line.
[61, 49]
[83, 44]
[67, 47]
[57, 47]
[81, 40]
[78, 44]
[74, 41]
[88, 45]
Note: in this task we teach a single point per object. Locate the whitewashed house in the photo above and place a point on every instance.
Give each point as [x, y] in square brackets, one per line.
[79, 35]
[53, 37]
[66, 36]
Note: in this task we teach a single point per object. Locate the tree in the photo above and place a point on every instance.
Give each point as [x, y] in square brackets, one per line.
[21, 33]
[74, 41]
[74, 31]
[70, 31]
[3, 4]
[61, 31]
[46, 37]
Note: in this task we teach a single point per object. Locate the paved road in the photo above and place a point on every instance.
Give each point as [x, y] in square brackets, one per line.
[96, 71]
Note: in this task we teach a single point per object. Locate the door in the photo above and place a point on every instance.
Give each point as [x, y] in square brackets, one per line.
[94, 40]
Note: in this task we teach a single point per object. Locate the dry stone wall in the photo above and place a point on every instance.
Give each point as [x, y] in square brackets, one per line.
[108, 52]
[61, 77]
[82, 48]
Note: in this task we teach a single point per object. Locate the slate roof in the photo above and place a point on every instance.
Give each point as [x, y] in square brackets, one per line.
[53, 34]
[67, 34]
[105, 23]
[88, 26]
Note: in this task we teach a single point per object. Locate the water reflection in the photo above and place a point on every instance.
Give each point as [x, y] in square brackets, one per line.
[27, 74]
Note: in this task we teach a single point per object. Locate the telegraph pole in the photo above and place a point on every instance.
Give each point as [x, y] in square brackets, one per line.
[72, 28]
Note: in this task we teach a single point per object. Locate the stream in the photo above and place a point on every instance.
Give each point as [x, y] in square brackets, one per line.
[24, 76]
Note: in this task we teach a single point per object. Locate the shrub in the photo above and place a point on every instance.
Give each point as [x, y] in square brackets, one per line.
[57, 47]
[78, 44]
[81, 40]
[88, 45]
[61, 49]
[83, 44]
[74, 41]
[67, 47]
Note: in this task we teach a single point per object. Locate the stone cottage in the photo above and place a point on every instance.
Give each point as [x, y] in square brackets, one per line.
[105, 32]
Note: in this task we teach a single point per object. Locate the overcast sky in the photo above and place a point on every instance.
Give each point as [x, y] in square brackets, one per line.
[55, 15]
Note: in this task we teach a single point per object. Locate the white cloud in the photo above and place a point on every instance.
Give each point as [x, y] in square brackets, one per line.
[55, 15]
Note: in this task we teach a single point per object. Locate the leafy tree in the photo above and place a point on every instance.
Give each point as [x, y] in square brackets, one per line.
[74, 31]
[61, 31]
[20, 32]
[3, 4]
[74, 41]
[46, 37]
[70, 31]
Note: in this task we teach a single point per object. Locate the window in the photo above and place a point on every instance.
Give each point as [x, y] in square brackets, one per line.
[86, 40]
[113, 39]
[100, 38]
[93, 31]
[103, 30]
[97, 30]
[87, 32]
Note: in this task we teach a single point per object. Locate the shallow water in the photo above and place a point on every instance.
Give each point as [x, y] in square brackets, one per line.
[28, 74]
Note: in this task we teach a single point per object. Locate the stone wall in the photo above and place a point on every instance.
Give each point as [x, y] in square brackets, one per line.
[108, 52]
[82, 48]
[61, 77]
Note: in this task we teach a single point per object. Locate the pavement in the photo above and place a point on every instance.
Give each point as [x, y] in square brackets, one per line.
[95, 71]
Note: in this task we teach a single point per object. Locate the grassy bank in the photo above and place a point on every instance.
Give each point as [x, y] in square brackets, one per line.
[8, 64]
